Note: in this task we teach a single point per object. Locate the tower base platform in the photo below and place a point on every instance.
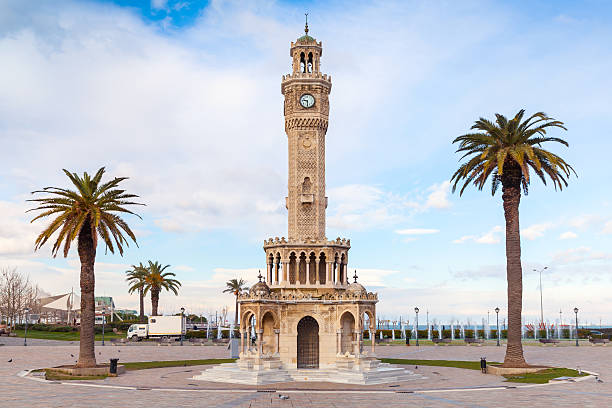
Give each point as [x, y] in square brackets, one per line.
[348, 369]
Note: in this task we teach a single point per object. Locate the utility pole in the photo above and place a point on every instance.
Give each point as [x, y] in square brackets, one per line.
[541, 298]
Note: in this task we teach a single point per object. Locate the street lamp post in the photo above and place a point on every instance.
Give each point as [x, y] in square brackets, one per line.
[498, 331]
[576, 311]
[103, 322]
[416, 331]
[541, 301]
[182, 314]
[25, 337]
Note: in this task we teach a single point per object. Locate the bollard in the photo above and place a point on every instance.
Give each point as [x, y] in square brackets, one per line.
[483, 365]
[113, 366]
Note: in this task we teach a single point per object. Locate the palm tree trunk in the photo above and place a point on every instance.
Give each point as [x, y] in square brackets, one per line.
[236, 317]
[154, 301]
[87, 255]
[141, 294]
[511, 181]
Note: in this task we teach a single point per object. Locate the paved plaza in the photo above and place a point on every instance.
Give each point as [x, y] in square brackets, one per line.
[443, 387]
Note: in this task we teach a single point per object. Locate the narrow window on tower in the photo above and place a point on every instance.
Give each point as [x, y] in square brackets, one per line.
[306, 185]
[310, 62]
[302, 62]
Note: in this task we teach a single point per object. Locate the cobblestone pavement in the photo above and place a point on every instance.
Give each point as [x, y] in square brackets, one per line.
[22, 392]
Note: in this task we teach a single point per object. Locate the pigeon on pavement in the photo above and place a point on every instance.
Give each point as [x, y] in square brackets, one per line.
[11, 360]
[283, 397]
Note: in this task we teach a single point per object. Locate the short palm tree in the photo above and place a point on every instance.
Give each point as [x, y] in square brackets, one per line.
[235, 286]
[136, 278]
[85, 214]
[505, 151]
[156, 280]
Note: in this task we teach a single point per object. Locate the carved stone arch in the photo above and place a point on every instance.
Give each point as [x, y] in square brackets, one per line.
[320, 320]
[274, 316]
[246, 317]
[371, 318]
[343, 312]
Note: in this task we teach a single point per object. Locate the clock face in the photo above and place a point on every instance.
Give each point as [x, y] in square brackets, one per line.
[307, 100]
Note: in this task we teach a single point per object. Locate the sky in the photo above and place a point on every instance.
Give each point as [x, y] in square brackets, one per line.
[184, 98]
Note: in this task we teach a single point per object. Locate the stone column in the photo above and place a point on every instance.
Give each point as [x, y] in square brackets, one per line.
[276, 272]
[339, 341]
[317, 270]
[259, 342]
[269, 274]
[329, 266]
[286, 271]
[308, 271]
[241, 341]
[277, 332]
[373, 340]
[357, 343]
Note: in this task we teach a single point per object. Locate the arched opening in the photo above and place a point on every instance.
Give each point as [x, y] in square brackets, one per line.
[347, 323]
[308, 343]
[310, 62]
[292, 268]
[277, 268]
[322, 269]
[306, 185]
[270, 268]
[335, 269]
[342, 277]
[302, 270]
[302, 63]
[312, 268]
[269, 341]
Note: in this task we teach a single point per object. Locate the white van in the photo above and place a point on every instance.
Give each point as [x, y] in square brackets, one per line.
[158, 326]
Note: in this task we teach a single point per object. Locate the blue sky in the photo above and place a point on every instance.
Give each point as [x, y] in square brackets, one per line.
[184, 97]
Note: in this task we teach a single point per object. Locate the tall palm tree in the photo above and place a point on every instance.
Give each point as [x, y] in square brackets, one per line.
[136, 278]
[505, 151]
[86, 214]
[235, 286]
[156, 280]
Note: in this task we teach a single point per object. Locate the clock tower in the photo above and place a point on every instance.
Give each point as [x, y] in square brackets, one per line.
[306, 111]
[304, 311]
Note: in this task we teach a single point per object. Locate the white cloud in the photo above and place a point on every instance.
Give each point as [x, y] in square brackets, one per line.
[417, 231]
[568, 235]
[359, 207]
[578, 255]
[490, 237]
[159, 4]
[374, 277]
[535, 231]
[17, 234]
[607, 229]
[438, 198]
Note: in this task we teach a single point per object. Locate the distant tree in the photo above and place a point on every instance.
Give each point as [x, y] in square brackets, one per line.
[86, 214]
[156, 280]
[235, 286]
[136, 278]
[505, 151]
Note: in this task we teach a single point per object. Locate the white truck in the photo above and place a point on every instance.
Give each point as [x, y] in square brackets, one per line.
[158, 327]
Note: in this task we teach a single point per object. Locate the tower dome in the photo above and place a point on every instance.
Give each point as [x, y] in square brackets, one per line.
[356, 288]
[260, 288]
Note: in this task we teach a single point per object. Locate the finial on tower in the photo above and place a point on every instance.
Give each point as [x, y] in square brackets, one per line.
[306, 26]
[259, 277]
[355, 276]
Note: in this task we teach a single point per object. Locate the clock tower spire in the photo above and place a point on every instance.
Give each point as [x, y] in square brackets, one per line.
[306, 111]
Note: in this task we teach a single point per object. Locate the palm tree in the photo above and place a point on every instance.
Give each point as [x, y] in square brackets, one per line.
[156, 280]
[136, 277]
[235, 286]
[506, 151]
[86, 214]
